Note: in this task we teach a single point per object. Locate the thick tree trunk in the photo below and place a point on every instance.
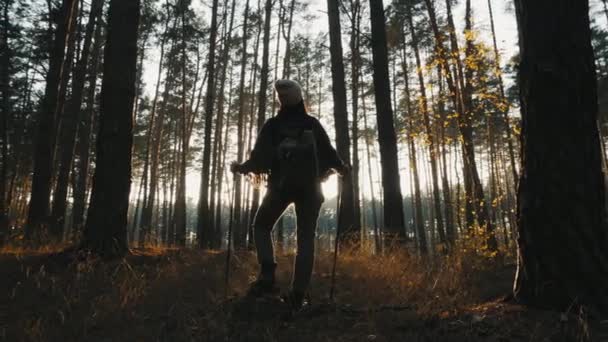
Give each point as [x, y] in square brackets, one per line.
[393, 201]
[347, 217]
[106, 228]
[47, 134]
[563, 234]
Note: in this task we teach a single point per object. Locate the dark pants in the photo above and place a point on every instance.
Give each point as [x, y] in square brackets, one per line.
[307, 212]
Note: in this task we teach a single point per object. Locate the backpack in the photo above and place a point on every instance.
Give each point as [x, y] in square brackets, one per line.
[297, 155]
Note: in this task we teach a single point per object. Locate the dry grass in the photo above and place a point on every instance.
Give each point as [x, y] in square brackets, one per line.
[178, 295]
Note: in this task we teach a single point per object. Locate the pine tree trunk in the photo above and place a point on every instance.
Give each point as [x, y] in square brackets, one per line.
[47, 134]
[180, 203]
[461, 98]
[261, 114]
[241, 125]
[106, 228]
[287, 36]
[501, 88]
[418, 215]
[204, 235]
[393, 205]
[220, 147]
[5, 106]
[431, 138]
[447, 197]
[216, 152]
[347, 219]
[368, 142]
[563, 234]
[70, 125]
[84, 137]
[252, 201]
[153, 143]
[355, 39]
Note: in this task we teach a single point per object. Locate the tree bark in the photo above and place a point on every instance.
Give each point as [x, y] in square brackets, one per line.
[241, 124]
[393, 205]
[46, 137]
[5, 106]
[106, 228]
[180, 202]
[501, 88]
[204, 211]
[430, 136]
[261, 114]
[153, 142]
[563, 234]
[355, 43]
[347, 219]
[368, 142]
[84, 137]
[70, 125]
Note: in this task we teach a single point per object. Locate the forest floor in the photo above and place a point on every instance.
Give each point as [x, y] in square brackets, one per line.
[178, 295]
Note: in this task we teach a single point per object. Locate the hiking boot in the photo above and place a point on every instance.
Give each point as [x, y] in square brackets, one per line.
[265, 284]
[295, 300]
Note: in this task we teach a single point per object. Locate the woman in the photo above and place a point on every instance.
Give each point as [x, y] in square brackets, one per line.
[294, 151]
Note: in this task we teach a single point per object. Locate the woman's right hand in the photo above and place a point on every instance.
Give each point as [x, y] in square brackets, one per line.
[236, 167]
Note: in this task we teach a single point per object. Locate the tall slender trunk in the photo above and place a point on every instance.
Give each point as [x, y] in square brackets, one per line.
[430, 136]
[225, 62]
[252, 202]
[46, 136]
[475, 201]
[501, 88]
[368, 142]
[158, 125]
[261, 114]
[152, 145]
[287, 36]
[5, 106]
[418, 214]
[180, 203]
[70, 125]
[355, 42]
[447, 197]
[204, 211]
[214, 197]
[347, 219]
[240, 125]
[84, 136]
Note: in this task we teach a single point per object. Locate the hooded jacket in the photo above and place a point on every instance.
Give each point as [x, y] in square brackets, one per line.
[264, 159]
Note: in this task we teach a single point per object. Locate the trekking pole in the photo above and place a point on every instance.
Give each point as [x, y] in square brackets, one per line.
[230, 225]
[337, 238]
